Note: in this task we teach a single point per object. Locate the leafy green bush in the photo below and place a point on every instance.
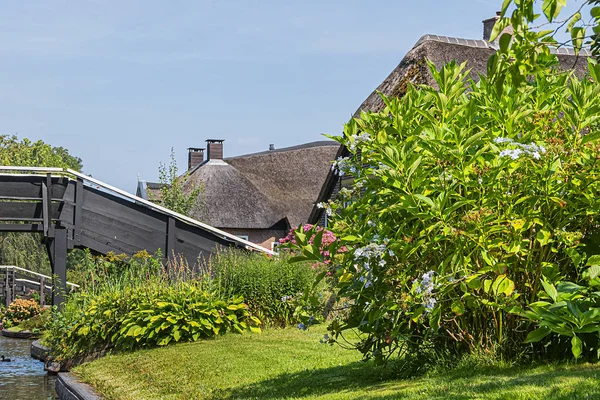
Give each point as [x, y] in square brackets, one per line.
[272, 288]
[133, 307]
[570, 311]
[470, 202]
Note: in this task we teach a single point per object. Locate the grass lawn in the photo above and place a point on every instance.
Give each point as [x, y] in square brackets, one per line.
[291, 364]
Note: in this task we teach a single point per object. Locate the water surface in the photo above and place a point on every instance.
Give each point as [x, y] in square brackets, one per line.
[23, 378]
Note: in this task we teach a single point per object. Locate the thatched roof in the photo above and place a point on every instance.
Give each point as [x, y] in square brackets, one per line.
[260, 190]
[413, 69]
[442, 50]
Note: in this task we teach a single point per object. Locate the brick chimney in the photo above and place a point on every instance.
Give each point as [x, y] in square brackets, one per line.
[195, 157]
[215, 149]
[488, 26]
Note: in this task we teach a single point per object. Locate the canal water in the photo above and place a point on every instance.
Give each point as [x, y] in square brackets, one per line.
[23, 378]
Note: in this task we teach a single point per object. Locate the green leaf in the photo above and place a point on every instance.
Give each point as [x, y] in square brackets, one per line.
[593, 260]
[176, 335]
[550, 289]
[505, 5]
[552, 8]
[543, 237]
[537, 335]
[458, 307]
[505, 42]
[413, 167]
[577, 37]
[576, 346]
[499, 26]
[425, 199]
[593, 271]
[576, 18]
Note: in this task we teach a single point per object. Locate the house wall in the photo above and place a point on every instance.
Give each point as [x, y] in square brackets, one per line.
[261, 237]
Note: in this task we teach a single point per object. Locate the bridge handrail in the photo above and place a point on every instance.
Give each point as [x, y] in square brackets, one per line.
[133, 198]
[15, 268]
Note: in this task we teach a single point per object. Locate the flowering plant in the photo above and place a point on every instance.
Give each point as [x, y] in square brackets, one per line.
[19, 311]
[466, 198]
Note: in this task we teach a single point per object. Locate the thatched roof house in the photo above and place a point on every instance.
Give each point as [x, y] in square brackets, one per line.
[413, 69]
[256, 196]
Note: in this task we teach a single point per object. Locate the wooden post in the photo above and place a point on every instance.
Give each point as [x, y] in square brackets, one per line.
[42, 293]
[9, 287]
[57, 250]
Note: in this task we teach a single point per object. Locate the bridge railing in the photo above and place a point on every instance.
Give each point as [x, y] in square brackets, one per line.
[15, 282]
[89, 181]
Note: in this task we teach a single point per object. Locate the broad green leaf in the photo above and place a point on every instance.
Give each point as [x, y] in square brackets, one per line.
[505, 42]
[537, 335]
[576, 18]
[577, 37]
[543, 237]
[552, 8]
[593, 271]
[550, 289]
[593, 260]
[500, 25]
[576, 346]
[458, 307]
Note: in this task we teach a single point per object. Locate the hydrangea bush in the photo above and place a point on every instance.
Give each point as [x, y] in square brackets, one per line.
[473, 217]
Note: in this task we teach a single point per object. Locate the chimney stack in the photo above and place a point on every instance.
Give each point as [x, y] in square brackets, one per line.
[195, 157]
[215, 149]
[271, 147]
[488, 26]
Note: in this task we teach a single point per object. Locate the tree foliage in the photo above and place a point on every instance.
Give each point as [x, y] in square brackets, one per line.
[26, 250]
[35, 154]
[473, 220]
[175, 193]
[582, 26]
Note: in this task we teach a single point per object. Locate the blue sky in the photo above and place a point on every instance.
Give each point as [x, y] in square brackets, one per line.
[120, 83]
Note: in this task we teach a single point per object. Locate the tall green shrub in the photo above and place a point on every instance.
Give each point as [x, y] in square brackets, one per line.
[471, 203]
[272, 287]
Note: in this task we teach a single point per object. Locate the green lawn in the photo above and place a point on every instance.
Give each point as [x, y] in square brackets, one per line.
[290, 364]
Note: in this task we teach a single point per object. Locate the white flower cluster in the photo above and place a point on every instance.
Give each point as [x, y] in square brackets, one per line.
[425, 287]
[358, 139]
[345, 192]
[383, 167]
[342, 166]
[446, 176]
[370, 251]
[373, 252]
[530, 149]
[326, 207]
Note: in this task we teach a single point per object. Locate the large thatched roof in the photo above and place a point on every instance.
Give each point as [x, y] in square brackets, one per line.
[260, 190]
[413, 69]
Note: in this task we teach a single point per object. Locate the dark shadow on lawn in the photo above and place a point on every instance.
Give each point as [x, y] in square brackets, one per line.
[359, 376]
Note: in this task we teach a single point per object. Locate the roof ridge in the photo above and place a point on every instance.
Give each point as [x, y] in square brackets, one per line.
[309, 145]
[480, 43]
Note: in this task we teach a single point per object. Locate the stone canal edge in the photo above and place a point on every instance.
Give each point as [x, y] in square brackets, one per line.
[69, 388]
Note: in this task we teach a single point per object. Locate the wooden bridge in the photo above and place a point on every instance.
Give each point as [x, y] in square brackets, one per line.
[72, 210]
[18, 282]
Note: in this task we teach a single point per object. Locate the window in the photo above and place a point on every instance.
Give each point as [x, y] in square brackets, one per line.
[245, 237]
[274, 245]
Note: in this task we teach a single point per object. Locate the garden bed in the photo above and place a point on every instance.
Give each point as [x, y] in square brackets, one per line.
[293, 364]
[19, 334]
